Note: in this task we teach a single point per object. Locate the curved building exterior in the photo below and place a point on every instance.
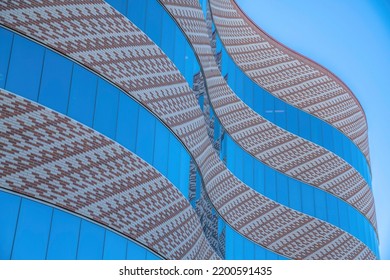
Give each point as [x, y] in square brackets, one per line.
[172, 129]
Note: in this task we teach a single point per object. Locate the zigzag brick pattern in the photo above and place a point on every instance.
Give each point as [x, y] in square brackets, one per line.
[50, 157]
[288, 75]
[98, 37]
[283, 151]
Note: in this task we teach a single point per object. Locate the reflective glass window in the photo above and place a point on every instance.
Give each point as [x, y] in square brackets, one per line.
[292, 123]
[280, 113]
[320, 204]
[56, 77]
[307, 199]
[32, 232]
[282, 188]
[91, 241]
[154, 20]
[119, 5]
[184, 171]
[64, 236]
[9, 211]
[82, 95]
[174, 160]
[304, 126]
[114, 246]
[106, 110]
[136, 11]
[168, 31]
[127, 126]
[135, 251]
[26, 63]
[6, 39]
[161, 147]
[294, 193]
[146, 135]
[270, 183]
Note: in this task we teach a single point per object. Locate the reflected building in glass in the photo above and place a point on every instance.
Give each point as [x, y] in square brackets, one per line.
[171, 129]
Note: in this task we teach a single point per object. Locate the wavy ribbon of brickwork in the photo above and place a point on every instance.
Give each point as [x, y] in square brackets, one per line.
[279, 149]
[288, 75]
[54, 159]
[98, 37]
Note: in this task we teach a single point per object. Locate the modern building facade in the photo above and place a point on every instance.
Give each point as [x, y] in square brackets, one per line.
[173, 129]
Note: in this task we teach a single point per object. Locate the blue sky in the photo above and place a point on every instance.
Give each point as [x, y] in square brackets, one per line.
[352, 39]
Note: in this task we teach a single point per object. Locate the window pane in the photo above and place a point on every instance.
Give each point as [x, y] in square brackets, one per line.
[106, 109]
[24, 74]
[126, 132]
[6, 38]
[82, 95]
[9, 211]
[91, 241]
[114, 246]
[64, 236]
[55, 84]
[32, 233]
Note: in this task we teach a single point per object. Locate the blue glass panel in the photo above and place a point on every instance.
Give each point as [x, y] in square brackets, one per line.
[295, 195]
[127, 125]
[26, 61]
[151, 256]
[258, 100]
[238, 88]
[249, 250]
[316, 130]
[248, 169]
[190, 61]
[106, 111]
[9, 211]
[304, 126]
[145, 137]
[82, 95]
[343, 215]
[184, 172]
[114, 246]
[269, 107]
[282, 188]
[119, 5]
[229, 240]
[248, 89]
[270, 183]
[260, 253]
[320, 204]
[6, 38]
[258, 178]
[292, 119]
[135, 251]
[280, 113]
[64, 236]
[333, 211]
[338, 143]
[327, 137]
[174, 160]
[56, 77]
[238, 247]
[91, 241]
[307, 199]
[32, 232]
[161, 149]
[153, 22]
[179, 53]
[136, 11]
[168, 29]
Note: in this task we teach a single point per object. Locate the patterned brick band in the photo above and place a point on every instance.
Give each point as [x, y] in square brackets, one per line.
[279, 149]
[98, 37]
[50, 157]
[288, 75]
